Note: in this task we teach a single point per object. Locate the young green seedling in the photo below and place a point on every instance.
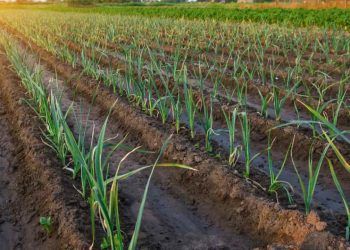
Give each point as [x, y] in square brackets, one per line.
[234, 151]
[46, 223]
[342, 195]
[275, 182]
[308, 189]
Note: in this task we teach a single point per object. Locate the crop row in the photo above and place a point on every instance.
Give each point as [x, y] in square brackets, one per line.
[265, 69]
[98, 187]
[330, 18]
[106, 100]
[152, 105]
[320, 85]
[279, 97]
[182, 103]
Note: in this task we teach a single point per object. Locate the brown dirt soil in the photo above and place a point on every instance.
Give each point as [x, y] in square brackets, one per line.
[213, 188]
[32, 181]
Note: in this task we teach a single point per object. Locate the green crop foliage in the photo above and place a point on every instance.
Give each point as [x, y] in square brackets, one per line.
[329, 18]
[92, 164]
[198, 73]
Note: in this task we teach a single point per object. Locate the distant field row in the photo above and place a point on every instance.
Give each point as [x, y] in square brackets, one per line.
[328, 18]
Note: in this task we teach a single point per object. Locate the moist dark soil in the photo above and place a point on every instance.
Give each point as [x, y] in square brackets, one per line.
[10, 156]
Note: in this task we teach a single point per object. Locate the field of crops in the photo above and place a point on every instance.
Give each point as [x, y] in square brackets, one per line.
[153, 133]
[300, 16]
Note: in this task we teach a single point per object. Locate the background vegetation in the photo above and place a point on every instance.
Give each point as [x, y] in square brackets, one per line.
[326, 18]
